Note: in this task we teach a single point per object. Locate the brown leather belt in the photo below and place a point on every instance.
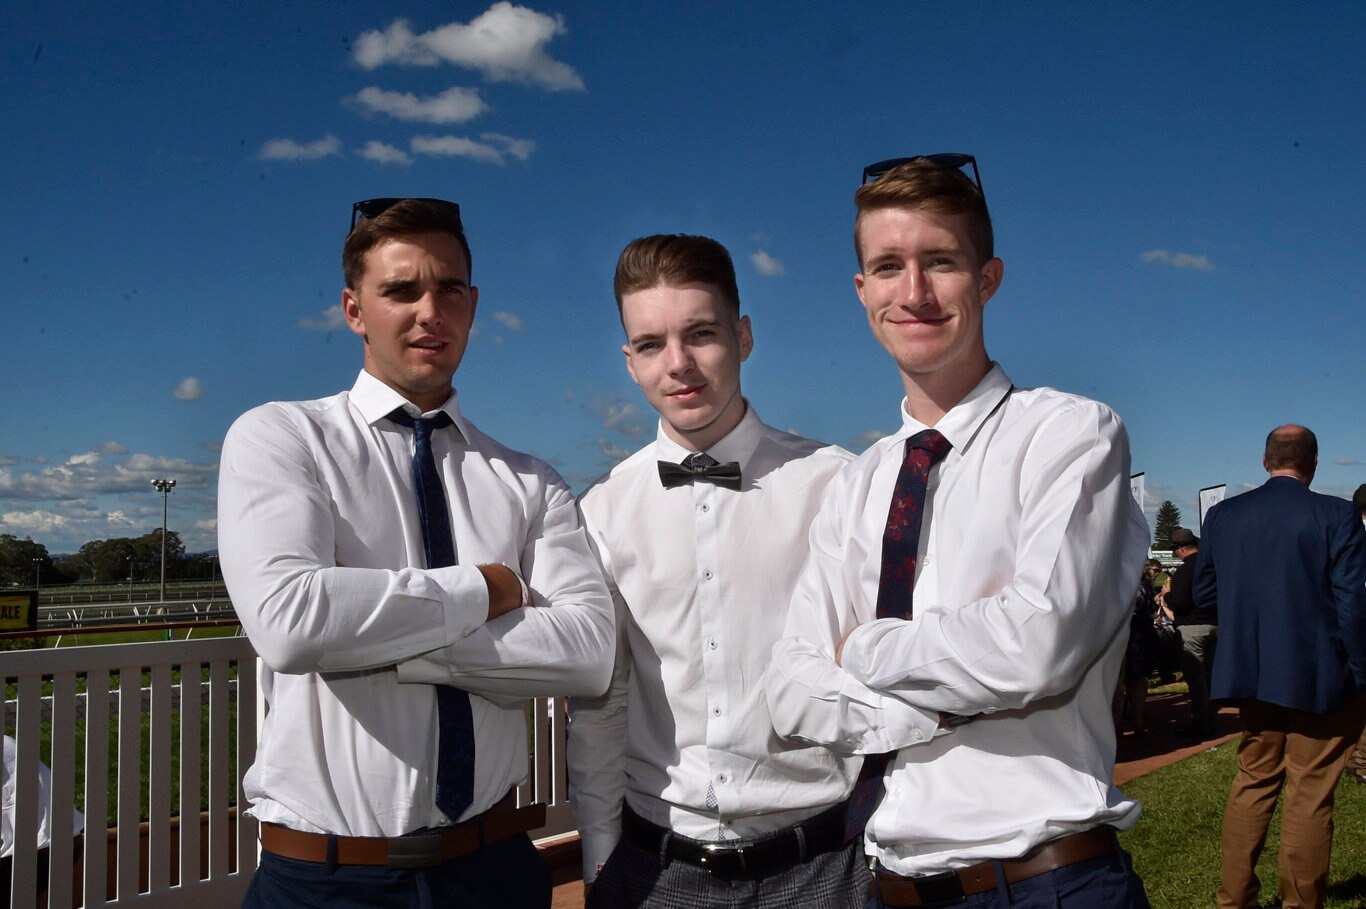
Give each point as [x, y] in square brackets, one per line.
[953, 886]
[420, 850]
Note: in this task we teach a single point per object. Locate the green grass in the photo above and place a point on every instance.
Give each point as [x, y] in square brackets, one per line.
[1175, 844]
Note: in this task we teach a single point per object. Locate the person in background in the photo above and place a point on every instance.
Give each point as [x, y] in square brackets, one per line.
[1199, 628]
[1286, 569]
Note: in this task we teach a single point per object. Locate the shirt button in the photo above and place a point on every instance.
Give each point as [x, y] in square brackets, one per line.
[896, 792]
[721, 778]
[917, 735]
[707, 575]
[705, 507]
[716, 711]
[711, 643]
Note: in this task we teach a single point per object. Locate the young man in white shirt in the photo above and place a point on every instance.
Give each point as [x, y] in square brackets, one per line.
[682, 793]
[984, 686]
[407, 582]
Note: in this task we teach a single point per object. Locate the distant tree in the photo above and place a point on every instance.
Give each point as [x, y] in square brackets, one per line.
[1168, 519]
[17, 566]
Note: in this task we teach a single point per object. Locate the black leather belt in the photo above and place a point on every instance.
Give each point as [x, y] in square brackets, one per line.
[950, 887]
[749, 859]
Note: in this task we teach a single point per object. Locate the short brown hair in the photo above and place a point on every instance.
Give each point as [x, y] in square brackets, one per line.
[923, 185]
[407, 218]
[1292, 448]
[674, 259]
[1359, 500]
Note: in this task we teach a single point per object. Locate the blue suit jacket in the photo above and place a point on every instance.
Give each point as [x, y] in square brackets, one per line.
[1287, 568]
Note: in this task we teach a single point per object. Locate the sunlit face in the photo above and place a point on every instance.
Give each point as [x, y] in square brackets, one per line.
[924, 292]
[684, 347]
[414, 308]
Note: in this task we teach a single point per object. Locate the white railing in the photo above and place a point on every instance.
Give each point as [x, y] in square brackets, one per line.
[157, 862]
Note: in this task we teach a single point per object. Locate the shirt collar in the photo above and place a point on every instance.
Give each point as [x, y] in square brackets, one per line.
[375, 401]
[964, 419]
[738, 445]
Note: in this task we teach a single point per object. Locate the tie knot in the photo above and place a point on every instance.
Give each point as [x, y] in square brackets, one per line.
[699, 460]
[422, 426]
[930, 441]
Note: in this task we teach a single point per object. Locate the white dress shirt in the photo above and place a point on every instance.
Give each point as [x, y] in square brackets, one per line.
[42, 792]
[702, 578]
[321, 547]
[1029, 553]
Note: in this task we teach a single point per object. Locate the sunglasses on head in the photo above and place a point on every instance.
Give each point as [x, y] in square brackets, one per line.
[955, 160]
[373, 208]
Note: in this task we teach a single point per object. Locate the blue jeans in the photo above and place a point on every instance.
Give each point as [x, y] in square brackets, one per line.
[509, 873]
[1103, 883]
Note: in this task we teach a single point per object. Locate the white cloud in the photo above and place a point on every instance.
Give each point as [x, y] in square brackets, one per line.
[1178, 259]
[510, 321]
[456, 146]
[31, 522]
[1348, 462]
[329, 319]
[189, 389]
[766, 264]
[454, 105]
[111, 448]
[81, 478]
[624, 418]
[520, 149]
[89, 457]
[382, 153]
[863, 440]
[119, 519]
[505, 43]
[210, 525]
[289, 150]
[613, 453]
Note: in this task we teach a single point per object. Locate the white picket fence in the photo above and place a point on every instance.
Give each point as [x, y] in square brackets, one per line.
[135, 867]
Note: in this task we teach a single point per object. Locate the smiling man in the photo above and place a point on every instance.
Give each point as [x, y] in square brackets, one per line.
[407, 582]
[682, 793]
[963, 613]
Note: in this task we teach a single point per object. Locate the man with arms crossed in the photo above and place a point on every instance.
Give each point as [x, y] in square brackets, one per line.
[963, 613]
[676, 773]
[377, 544]
[1286, 567]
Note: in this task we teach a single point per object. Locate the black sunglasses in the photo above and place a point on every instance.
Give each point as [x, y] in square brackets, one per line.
[372, 208]
[955, 160]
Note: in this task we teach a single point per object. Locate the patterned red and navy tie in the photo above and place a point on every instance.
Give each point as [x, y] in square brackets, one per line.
[455, 720]
[900, 542]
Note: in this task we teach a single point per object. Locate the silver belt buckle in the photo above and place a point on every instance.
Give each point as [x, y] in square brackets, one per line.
[422, 851]
[717, 854]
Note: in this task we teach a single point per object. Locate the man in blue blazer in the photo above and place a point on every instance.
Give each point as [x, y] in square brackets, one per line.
[1286, 568]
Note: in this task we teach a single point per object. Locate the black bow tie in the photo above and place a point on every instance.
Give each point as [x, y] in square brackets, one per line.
[700, 466]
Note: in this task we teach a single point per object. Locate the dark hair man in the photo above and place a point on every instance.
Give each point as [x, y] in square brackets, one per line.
[962, 616]
[1286, 567]
[383, 555]
[682, 793]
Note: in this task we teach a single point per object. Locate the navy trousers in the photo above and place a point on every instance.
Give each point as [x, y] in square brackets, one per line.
[509, 874]
[1103, 883]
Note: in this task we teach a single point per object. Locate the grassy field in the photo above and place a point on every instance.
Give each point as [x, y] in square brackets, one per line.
[1175, 844]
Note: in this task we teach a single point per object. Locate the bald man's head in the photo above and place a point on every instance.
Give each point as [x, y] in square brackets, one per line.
[1291, 449]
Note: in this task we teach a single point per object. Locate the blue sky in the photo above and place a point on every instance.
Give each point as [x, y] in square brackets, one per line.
[1177, 191]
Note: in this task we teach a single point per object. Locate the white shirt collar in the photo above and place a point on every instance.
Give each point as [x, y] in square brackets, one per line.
[738, 444]
[961, 423]
[375, 401]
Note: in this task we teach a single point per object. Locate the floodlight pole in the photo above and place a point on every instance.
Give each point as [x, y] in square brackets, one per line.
[164, 487]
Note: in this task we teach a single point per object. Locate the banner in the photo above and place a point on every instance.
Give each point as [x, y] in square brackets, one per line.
[1209, 497]
[19, 611]
[1136, 488]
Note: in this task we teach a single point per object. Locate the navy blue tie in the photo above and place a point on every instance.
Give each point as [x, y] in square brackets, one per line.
[455, 749]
